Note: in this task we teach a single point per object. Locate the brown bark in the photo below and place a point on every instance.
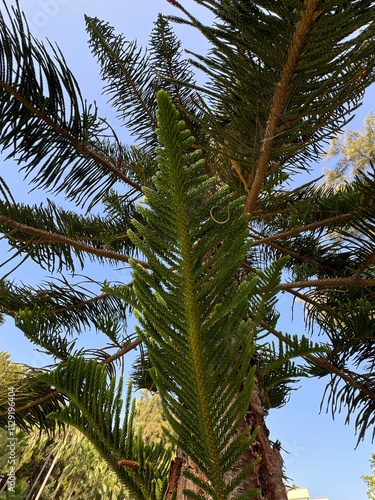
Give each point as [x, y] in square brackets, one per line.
[178, 483]
[174, 475]
[267, 476]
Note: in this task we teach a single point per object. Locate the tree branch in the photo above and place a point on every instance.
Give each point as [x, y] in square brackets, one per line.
[309, 300]
[37, 401]
[302, 229]
[361, 269]
[280, 98]
[328, 282]
[48, 237]
[79, 145]
[298, 256]
[347, 376]
[125, 72]
[121, 352]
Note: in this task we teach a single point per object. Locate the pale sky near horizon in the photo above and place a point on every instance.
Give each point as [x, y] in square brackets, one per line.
[320, 452]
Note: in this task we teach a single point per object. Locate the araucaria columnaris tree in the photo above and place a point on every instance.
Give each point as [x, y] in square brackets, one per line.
[205, 209]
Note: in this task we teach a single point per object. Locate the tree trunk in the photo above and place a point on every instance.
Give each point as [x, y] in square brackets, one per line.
[267, 476]
[178, 483]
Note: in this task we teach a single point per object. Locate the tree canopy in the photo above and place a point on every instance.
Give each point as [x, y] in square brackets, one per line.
[205, 209]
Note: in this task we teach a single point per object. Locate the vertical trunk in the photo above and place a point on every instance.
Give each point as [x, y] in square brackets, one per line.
[178, 483]
[3, 482]
[46, 462]
[267, 476]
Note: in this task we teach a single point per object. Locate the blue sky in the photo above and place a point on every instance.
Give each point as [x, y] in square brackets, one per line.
[321, 454]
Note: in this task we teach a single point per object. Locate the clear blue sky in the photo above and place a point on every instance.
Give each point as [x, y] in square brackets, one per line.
[320, 452]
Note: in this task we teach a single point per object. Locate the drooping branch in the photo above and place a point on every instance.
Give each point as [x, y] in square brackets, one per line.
[345, 375]
[309, 300]
[36, 402]
[121, 352]
[298, 256]
[328, 283]
[79, 145]
[80, 304]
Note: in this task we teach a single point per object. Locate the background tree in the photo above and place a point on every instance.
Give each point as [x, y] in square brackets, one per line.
[355, 151]
[63, 467]
[223, 223]
[59, 466]
[150, 418]
[370, 480]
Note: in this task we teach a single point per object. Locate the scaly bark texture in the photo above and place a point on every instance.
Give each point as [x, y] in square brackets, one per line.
[268, 474]
[178, 482]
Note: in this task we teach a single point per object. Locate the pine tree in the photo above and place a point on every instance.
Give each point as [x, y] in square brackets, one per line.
[205, 209]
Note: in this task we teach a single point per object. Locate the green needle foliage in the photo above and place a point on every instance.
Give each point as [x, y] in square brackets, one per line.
[223, 228]
[95, 409]
[191, 306]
